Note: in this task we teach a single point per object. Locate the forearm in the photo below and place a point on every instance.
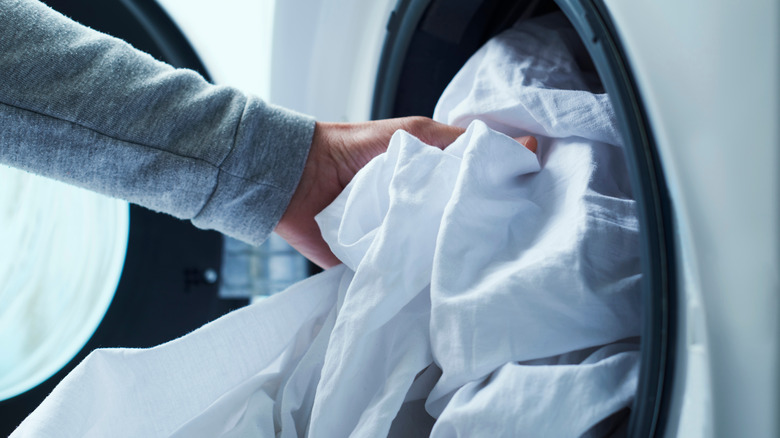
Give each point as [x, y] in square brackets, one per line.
[88, 109]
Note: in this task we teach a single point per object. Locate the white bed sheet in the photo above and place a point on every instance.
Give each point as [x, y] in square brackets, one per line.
[557, 269]
[488, 287]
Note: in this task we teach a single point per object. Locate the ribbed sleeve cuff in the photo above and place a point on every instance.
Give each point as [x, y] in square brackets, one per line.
[258, 177]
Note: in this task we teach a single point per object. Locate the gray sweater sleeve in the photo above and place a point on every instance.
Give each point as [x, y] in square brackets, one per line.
[88, 109]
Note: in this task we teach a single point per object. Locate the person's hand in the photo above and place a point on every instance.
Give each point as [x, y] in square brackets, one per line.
[338, 151]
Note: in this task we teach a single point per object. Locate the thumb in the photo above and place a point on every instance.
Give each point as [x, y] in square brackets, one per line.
[442, 135]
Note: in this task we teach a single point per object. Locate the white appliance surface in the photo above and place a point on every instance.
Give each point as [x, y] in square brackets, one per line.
[708, 74]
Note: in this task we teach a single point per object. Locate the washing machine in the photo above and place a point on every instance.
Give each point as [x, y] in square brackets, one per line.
[696, 88]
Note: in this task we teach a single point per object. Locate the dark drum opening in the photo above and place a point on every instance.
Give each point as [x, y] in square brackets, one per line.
[429, 40]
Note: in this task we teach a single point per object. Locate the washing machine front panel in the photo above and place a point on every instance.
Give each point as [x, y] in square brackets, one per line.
[708, 73]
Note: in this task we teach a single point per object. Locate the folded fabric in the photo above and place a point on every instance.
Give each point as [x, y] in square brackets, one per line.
[486, 290]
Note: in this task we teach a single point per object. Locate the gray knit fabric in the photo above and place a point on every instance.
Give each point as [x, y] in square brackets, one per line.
[88, 109]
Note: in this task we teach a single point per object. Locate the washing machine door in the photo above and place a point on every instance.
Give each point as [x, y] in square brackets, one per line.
[159, 274]
[691, 86]
[419, 43]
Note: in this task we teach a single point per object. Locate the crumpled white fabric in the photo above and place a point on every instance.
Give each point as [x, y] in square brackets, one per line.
[387, 227]
[557, 267]
[487, 287]
[232, 377]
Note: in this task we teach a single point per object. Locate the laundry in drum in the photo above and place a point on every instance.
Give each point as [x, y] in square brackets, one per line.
[485, 290]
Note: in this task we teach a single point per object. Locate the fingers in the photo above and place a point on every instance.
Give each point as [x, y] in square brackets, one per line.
[529, 142]
[441, 135]
[338, 152]
[431, 132]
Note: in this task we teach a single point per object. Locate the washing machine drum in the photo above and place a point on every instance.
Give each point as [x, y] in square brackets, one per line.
[429, 40]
